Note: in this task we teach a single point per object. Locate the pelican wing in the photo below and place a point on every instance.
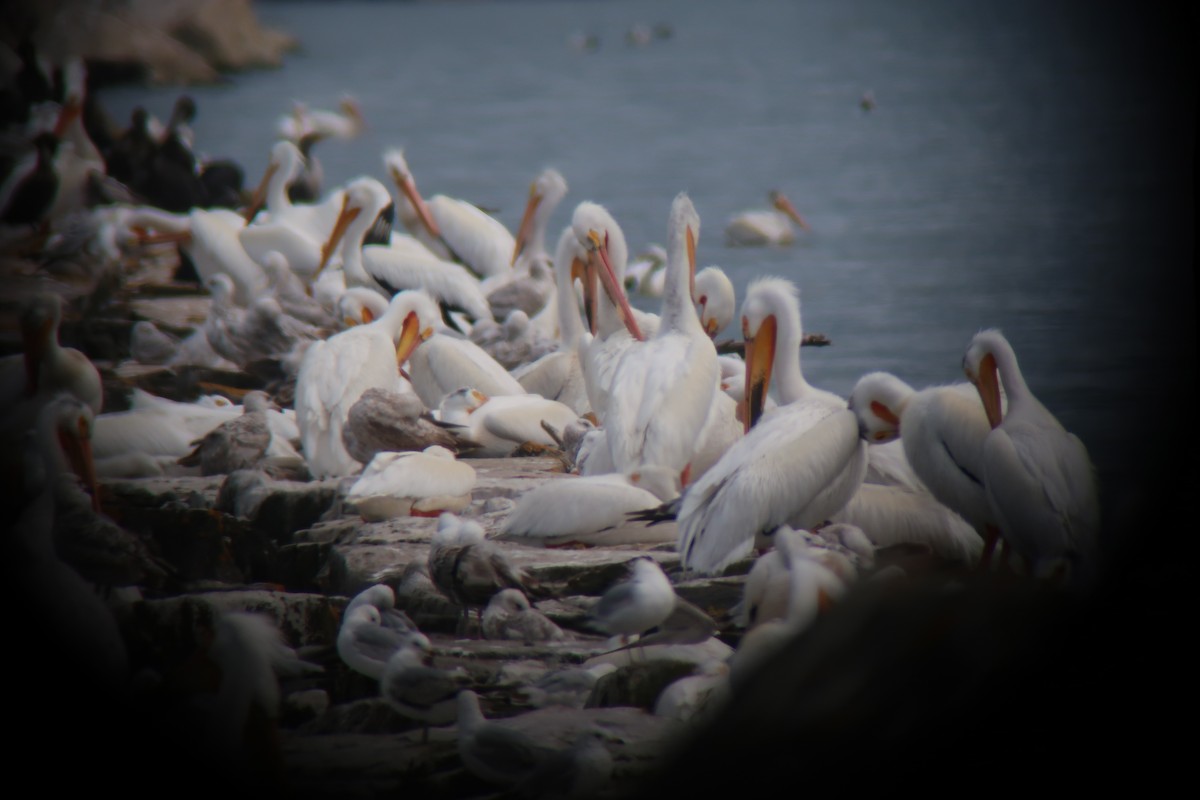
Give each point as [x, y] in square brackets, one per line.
[798, 466]
[575, 506]
[400, 268]
[480, 241]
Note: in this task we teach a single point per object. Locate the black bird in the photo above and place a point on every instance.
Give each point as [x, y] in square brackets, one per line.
[33, 193]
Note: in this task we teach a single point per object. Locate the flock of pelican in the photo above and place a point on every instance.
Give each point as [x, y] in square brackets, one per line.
[390, 341]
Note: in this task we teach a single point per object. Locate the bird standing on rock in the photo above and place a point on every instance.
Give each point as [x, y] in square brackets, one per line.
[468, 568]
[636, 605]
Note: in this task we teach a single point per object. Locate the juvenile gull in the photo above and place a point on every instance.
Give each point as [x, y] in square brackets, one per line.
[383, 420]
[492, 752]
[383, 597]
[509, 616]
[466, 567]
[364, 644]
[240, 443]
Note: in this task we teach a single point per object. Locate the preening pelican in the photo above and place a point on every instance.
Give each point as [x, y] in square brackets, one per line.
[335, 373]
[501, 424]
[531, 286]
[715, 299]
[773, 226]
[942, 429]
[345, 123]
[613, 322]
[796, 466]
[1040, 481]
[447, 363]
[676, 369]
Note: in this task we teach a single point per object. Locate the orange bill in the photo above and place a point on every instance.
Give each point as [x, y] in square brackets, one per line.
[526, 228]
[760, 359]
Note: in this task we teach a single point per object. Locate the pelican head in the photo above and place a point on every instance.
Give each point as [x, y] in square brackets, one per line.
[780, 201]
[364, 197]
[981, 368]
[413, 316]
[715, 299]
[878, 400]
[359, 305]
[397, 167]
[353, 111]
[602, 239]
[40, 319]
[769, 303]
[545, 192]
[66, 421]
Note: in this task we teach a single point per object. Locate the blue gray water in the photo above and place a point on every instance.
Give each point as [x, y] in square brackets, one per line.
[1018, 170]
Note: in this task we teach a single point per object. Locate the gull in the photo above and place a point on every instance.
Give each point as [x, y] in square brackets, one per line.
[509, 616]
[638, 603]
[364, 644]
[577, 771]
[386, 421]
[240, 443]
[493, 752]
[468, 568]
[418, 690]
[383, 598]
[570, 686]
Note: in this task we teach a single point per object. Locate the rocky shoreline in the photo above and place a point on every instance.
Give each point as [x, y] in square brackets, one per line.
[173, 42]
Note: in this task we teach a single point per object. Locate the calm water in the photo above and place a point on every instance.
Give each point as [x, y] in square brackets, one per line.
[1021, 169]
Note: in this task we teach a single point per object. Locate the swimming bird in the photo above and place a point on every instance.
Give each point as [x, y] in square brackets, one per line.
[632, 607]
[798, 465]
[1040, 481]
[383, 420]
[773, 226]
[335, 373]
[418, 484]
[510, 616]
[676, 368]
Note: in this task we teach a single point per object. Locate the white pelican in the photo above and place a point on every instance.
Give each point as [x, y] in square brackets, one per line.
[464, 233]
[796, 466]
[392, 269]
[942, 429]
[423, 484]
[559, 375]
[500, 424]
[446, 363]
[645, 274]
[46, 367]
[789, 584]
[359, 305]
[531, 286]
[296, 231]
[716, 300]
[592, 510]
[676, 369]
[773, 226]
[613, 322]
[345, 123]
[1040, 481]
[335, 373]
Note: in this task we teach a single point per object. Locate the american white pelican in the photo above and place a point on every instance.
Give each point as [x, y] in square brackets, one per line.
[613, 322]
[676, 369]
[790, 584]
[558, 375]
[716, 300]
[386, 421]
[392, 269]
[592, 510]
[467, 567]
[46, 367]
[1040, 481]
[500, 424]
[463, 232]
[335, 373]
[345, 123]
[796, 466]
[446, 363]
[645, 274]
[509, 616]
[942, 430]
[891, 515]
[637, 604]
[359, 305]
[531, 285]
[29, 191]
[423, 484]
[237, 444]
[772, 226]
[296, 231]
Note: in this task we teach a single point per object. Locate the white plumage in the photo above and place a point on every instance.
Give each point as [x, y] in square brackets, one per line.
[418, 484]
